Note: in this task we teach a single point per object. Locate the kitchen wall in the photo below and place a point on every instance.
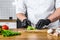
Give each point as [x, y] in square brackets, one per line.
[7, 9]
[11, 25]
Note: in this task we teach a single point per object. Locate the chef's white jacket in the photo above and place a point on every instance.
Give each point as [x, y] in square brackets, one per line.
[37, 9]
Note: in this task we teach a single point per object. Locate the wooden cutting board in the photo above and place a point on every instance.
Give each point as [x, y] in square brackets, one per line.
[43, 30]
[25, 30]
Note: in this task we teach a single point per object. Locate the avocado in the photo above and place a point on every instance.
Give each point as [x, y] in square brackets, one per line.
[30, 28]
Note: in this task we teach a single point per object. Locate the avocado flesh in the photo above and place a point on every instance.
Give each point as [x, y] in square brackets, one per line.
[31, 28]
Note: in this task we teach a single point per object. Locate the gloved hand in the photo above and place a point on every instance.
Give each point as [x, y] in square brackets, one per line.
[42, 23]
[26, 23]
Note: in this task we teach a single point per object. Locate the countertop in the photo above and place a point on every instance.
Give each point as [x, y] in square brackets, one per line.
[30, 35]
[6, 20]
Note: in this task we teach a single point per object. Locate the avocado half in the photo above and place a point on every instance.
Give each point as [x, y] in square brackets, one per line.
[31, 28]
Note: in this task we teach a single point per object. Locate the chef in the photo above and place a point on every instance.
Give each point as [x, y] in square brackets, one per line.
[40, 12]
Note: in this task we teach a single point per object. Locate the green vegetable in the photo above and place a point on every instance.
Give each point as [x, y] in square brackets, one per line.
[7, 33]
[31, 28]
[0, 29]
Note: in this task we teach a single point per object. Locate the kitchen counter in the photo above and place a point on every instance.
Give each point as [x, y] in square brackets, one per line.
[30, 35]
[6, 20]
[10, 23]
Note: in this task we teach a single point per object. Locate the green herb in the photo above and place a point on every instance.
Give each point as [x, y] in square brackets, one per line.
[7, 33]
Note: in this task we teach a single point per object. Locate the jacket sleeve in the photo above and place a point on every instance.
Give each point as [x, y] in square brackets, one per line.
[20, 6]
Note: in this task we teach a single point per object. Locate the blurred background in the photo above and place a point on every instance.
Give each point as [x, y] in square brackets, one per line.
[8, 13]
[7, 9]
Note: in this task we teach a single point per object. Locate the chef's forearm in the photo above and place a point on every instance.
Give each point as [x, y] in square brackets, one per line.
[55, 16]
[21, 16]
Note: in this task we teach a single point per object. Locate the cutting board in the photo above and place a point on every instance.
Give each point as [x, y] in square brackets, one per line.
[25, 30]
[43, 30]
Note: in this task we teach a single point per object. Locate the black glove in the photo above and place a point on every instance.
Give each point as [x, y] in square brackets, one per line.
[26, 23]
[42, 23]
